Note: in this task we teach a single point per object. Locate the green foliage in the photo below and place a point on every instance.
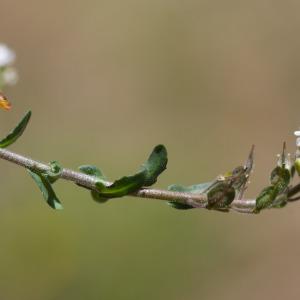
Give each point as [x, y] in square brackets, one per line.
[96, 172]
[221, 195]
[43, 180]
[146, 176]
[122, 186]
[17, 132]
[55, 171]
[98, 197]
[155, 165]
[220, 192]
[92, 171]
[276, 195]
[45, 187]
[195, 189]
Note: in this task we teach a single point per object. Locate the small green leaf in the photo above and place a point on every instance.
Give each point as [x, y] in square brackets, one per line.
[272, 196]
[122, 186]
[155, 165]
[265, 198]
[46, 189]
[17, 132]
[55, 171]
[96, 172]
[93, 171]
[195, 189]
[275, 195]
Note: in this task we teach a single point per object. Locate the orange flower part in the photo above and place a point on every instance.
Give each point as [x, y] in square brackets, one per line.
[4, 102]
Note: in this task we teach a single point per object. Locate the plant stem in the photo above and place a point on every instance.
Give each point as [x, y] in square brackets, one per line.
[86, 181]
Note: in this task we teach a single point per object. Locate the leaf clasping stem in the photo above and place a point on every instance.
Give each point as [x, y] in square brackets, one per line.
[88, 182]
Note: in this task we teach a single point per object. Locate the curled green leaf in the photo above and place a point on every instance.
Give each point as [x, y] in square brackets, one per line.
[155, 165]
[98, 198]
[122, 186]
[45, 187]
[147, 175]
[119, 188]
[17, 132]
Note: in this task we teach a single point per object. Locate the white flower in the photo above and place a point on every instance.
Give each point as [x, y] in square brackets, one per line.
[7, 56]
[10, 76]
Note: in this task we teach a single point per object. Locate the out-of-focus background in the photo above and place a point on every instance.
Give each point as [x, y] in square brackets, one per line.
[108, 80]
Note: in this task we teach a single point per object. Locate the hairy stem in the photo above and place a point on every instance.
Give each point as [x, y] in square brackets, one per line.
[86, 181]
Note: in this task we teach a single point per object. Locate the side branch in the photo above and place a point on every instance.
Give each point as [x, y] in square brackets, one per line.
[86, 181]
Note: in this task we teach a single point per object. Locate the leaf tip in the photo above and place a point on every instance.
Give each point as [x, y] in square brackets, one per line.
[160, 149]
[57, 206]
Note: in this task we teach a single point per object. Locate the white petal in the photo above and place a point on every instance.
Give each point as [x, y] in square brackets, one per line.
[297, 133]
[7, 56]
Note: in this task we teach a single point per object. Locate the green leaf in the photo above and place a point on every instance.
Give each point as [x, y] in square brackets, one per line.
[265, 198]
[55, 171]
[195, 189]
[92, 171]
[46, 189]
[275, 195]
[96, 172]
[272, 196]
[98, 198]
[122, 186]
[147, 175]
[17, 132]
[155, 165]
[178, 205]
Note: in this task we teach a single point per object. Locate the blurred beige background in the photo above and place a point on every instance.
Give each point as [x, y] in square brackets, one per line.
[106, 81]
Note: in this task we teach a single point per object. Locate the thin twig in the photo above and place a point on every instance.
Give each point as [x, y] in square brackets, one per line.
[196, 200]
